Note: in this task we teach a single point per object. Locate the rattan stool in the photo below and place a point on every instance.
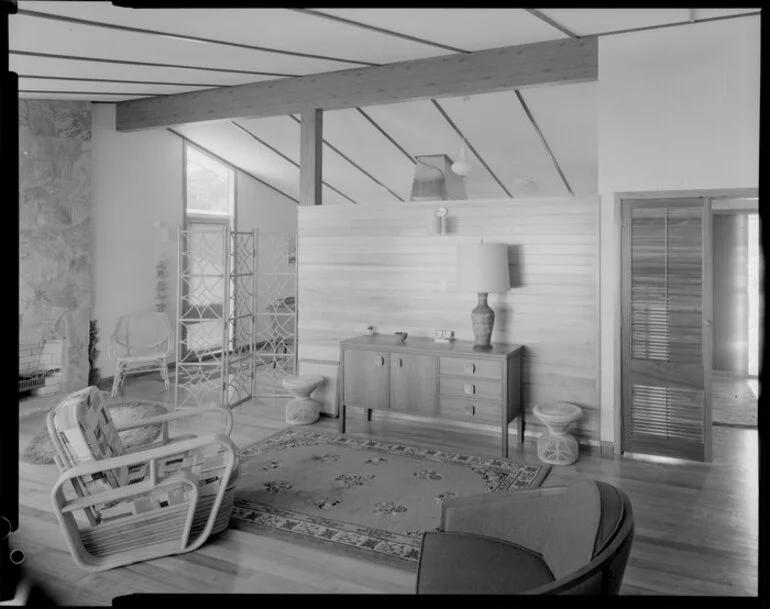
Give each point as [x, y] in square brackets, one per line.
[302, 409]
[557, 446]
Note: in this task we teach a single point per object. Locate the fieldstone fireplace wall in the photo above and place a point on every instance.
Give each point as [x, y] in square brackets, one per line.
[55, 237]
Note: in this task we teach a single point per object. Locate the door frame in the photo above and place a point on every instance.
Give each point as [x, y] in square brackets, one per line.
[652, 195]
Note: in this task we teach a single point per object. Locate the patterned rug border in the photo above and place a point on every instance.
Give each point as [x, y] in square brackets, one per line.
[332, 533]
[338, 534]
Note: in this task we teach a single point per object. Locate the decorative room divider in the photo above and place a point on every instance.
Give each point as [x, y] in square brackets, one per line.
[275, 312]
[236, 315]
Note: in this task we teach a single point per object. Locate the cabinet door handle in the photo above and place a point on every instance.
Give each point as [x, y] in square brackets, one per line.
[379, 361]
[470, 389]
[470, 369]
[400, 362]
[470, 410]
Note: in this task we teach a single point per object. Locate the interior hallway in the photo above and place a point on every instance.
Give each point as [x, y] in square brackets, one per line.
[735, 400]
[696, 524]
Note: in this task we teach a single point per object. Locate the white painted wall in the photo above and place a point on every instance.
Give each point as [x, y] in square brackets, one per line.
[137, 182]
[678, 109]
[260, 206]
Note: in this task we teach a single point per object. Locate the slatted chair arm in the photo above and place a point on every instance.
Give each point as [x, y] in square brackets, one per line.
[204, 534]
[151, 454]
[118, 494]
[182, 414]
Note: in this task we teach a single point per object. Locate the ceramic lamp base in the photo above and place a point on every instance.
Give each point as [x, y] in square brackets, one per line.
[483, 319]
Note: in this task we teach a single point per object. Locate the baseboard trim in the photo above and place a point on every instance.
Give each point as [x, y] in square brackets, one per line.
[603, 448]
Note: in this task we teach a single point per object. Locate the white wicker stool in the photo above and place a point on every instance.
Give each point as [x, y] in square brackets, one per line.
[302, 409]
[557, 446]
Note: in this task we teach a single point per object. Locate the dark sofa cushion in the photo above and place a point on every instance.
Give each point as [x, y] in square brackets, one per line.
[462, 563]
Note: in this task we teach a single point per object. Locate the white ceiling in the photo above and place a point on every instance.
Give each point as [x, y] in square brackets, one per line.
[295, 43]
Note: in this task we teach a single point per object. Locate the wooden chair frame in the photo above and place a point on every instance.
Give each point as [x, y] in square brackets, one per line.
[164, 539]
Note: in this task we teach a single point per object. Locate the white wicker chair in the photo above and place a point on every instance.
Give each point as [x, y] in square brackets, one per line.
[134, 505]
[141, 342]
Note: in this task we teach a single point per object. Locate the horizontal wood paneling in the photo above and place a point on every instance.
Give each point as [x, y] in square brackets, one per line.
[382, 265]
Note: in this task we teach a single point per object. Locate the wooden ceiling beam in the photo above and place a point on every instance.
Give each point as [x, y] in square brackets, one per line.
[505, 68]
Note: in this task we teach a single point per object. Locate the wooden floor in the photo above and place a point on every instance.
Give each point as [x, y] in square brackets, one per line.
[696, 524]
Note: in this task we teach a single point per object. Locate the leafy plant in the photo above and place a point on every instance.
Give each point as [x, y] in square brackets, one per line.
[94, 376]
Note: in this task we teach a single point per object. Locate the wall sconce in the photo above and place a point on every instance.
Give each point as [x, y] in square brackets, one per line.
[441, 221]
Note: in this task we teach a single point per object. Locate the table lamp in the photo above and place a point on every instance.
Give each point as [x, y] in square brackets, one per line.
[483, 268]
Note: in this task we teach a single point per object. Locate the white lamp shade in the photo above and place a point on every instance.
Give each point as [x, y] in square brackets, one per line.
[483, 267]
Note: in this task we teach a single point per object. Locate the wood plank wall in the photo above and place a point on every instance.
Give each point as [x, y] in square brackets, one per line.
[383, 265]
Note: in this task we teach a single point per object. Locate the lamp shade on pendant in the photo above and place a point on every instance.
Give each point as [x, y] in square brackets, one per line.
[483, 267]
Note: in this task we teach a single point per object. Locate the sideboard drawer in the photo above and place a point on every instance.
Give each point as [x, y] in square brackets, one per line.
[471, 410]
[477, 368]
[471, 388]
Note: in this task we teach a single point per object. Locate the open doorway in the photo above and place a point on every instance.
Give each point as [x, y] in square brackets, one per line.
[737, 323]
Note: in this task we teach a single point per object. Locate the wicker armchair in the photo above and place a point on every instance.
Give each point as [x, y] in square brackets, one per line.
[129, 506]
[142, 341]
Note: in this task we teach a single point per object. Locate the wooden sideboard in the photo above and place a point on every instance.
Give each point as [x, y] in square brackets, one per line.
[425, 377]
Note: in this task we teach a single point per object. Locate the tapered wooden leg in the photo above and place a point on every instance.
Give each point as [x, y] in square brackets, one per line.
[342, 418]
[505, 441]
[368, 414]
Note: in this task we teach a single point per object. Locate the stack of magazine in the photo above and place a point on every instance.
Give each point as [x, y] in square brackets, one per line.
[205, 465]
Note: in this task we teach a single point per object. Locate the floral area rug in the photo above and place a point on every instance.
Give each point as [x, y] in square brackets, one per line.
[361, 494]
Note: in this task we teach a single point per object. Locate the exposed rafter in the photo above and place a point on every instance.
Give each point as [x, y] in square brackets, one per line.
[379, 30]
[677, 24]
[229, 164]
[353, 163]
[287, 158]
[546, 19]
[545, 142]
[119, 80]
[558, 61]
[188, 38]
[387, 135]
[146, 63]
[97, 93]
[470, 146]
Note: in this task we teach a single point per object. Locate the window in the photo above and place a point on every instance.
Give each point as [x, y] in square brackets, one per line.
[209, 206]
[210, 185]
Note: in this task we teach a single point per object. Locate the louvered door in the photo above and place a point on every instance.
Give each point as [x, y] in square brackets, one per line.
[666, 333]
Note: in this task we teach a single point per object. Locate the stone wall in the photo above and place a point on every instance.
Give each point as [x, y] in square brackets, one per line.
[55, 230]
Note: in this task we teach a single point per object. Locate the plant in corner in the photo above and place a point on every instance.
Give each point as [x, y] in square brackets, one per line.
[94, 376]
[160, 286]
